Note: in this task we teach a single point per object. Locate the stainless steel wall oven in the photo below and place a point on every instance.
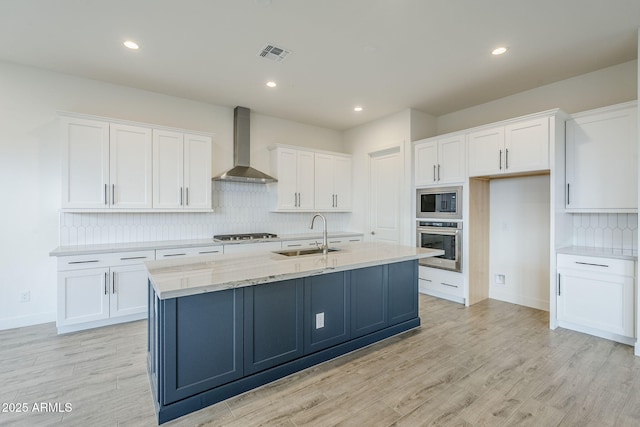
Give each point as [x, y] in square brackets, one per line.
[441, 235]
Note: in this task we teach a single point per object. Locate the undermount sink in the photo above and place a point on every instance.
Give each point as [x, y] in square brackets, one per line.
[299, 252]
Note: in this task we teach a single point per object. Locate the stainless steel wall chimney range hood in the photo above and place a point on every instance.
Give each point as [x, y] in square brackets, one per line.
[242, 171]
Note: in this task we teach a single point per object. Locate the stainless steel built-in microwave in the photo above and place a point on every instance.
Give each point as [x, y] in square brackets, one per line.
[439, 203]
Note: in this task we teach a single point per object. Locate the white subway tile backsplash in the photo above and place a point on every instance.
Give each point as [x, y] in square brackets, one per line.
[238, 208]
[607, 231]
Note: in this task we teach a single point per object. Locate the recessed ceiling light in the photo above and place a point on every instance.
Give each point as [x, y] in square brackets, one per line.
[272, 84]
[131, 44]
[358, 109]
[499, 50]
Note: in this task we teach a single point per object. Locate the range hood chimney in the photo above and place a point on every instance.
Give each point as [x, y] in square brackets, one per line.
[242, 171]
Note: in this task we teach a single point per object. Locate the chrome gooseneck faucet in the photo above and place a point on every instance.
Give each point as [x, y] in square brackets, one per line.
[325, 244]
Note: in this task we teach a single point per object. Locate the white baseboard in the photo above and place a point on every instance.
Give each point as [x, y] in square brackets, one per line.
[30, 320]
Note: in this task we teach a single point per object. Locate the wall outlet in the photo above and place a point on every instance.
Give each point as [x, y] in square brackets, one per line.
[319, 320]
[25, 296]
[500, 279]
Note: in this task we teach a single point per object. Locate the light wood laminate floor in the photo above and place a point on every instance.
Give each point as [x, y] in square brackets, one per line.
[492, 364]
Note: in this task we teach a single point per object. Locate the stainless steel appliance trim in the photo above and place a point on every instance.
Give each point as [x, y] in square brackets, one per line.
[439, 215]
[436, 262]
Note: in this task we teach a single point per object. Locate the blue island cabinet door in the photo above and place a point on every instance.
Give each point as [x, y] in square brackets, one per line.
[403, 291]
[368, 300]
[326, 311]
[202, 342]
[273, 324]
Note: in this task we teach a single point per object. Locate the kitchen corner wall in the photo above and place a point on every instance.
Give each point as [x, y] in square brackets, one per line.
[238, 208]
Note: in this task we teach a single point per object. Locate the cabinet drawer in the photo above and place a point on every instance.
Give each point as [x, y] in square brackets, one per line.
[619, 267]
[80, 262]
[302, 244]
[446, 282]
[343, 240]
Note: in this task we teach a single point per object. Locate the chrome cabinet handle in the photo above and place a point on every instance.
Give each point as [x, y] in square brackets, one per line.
[166, 255]
[559, 293]
[181, 197]
[113, 194]
[82, 262]
[446, 284]
[187, 196]
[132, 257]
[438, 172]
[568, 197]
[113, 283]
[106, 191]
[106, 282]
[500, 159]
[434, 172]
[593, 265]
[506, 158]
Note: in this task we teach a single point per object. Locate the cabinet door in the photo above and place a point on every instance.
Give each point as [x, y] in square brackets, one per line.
[527, 146]
[286, 166]
[85, 163]
[83, 296]
[326, 308]
[342, 183]
[451, 160]
[197, 172]
[601, 160]
[403, 291]
[324, 182]
[426, 163]
[202, 336]
[305, 180]
[368, 300]
[130, 152]
[128, 290]
[273, 329]
[598, 301]
[168, 185]
[486, 152]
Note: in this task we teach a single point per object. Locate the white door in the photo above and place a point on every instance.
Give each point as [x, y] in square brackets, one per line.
[426, 163]
[324, 177]
[385, 178]
[83, 296]
[527, 146]
[197, 172]
[486, 155]
[287, 174]
[130, 151]
[451, 160]
[306, 180]
[168, 184]
[128, 290]
[85, 163]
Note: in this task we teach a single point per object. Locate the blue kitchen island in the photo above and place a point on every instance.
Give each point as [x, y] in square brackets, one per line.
[222, 325]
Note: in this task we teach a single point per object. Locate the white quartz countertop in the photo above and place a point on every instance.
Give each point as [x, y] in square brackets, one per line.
[186, 243]
[627, 254]
[189, 276]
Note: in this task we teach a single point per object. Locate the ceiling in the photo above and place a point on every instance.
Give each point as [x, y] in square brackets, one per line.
[383, 55]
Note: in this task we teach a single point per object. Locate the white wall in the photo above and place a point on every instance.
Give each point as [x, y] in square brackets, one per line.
[519, 247]
[30, 166]
[600, 88]
[391, 131]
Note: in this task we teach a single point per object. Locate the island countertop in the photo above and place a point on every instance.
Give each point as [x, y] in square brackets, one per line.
[190, 276]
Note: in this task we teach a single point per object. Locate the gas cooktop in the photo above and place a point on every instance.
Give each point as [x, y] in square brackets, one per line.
[246, 236]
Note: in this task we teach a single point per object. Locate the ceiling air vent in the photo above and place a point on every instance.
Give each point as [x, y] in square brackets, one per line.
[274, 53]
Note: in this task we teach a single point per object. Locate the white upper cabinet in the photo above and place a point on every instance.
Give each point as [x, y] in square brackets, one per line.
[602, 160]
[130, 166]
[440, 161]
[517, 147]
[105, 165]
[181, 170]
[122, 166]
[85, 163]
[294, 170]
[332, 182]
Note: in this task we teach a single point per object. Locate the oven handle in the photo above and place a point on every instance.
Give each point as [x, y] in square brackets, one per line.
[441, 231]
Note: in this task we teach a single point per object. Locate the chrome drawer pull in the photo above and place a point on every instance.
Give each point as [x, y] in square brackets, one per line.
[446, 284]
[593, 265]
[174, 255]
[83, 262]
[132, 257]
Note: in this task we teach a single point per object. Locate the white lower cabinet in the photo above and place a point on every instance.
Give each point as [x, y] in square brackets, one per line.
[596, 296]
[98, 290]
[238, 248]
[441, 283]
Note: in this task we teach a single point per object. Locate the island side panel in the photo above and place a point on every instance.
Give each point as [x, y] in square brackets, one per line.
[202, 338]
[403, 288]
[326, 311]
[273, 324]
[368, 300]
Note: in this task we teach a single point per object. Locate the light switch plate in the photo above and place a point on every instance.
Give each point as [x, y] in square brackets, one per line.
[319, 320]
